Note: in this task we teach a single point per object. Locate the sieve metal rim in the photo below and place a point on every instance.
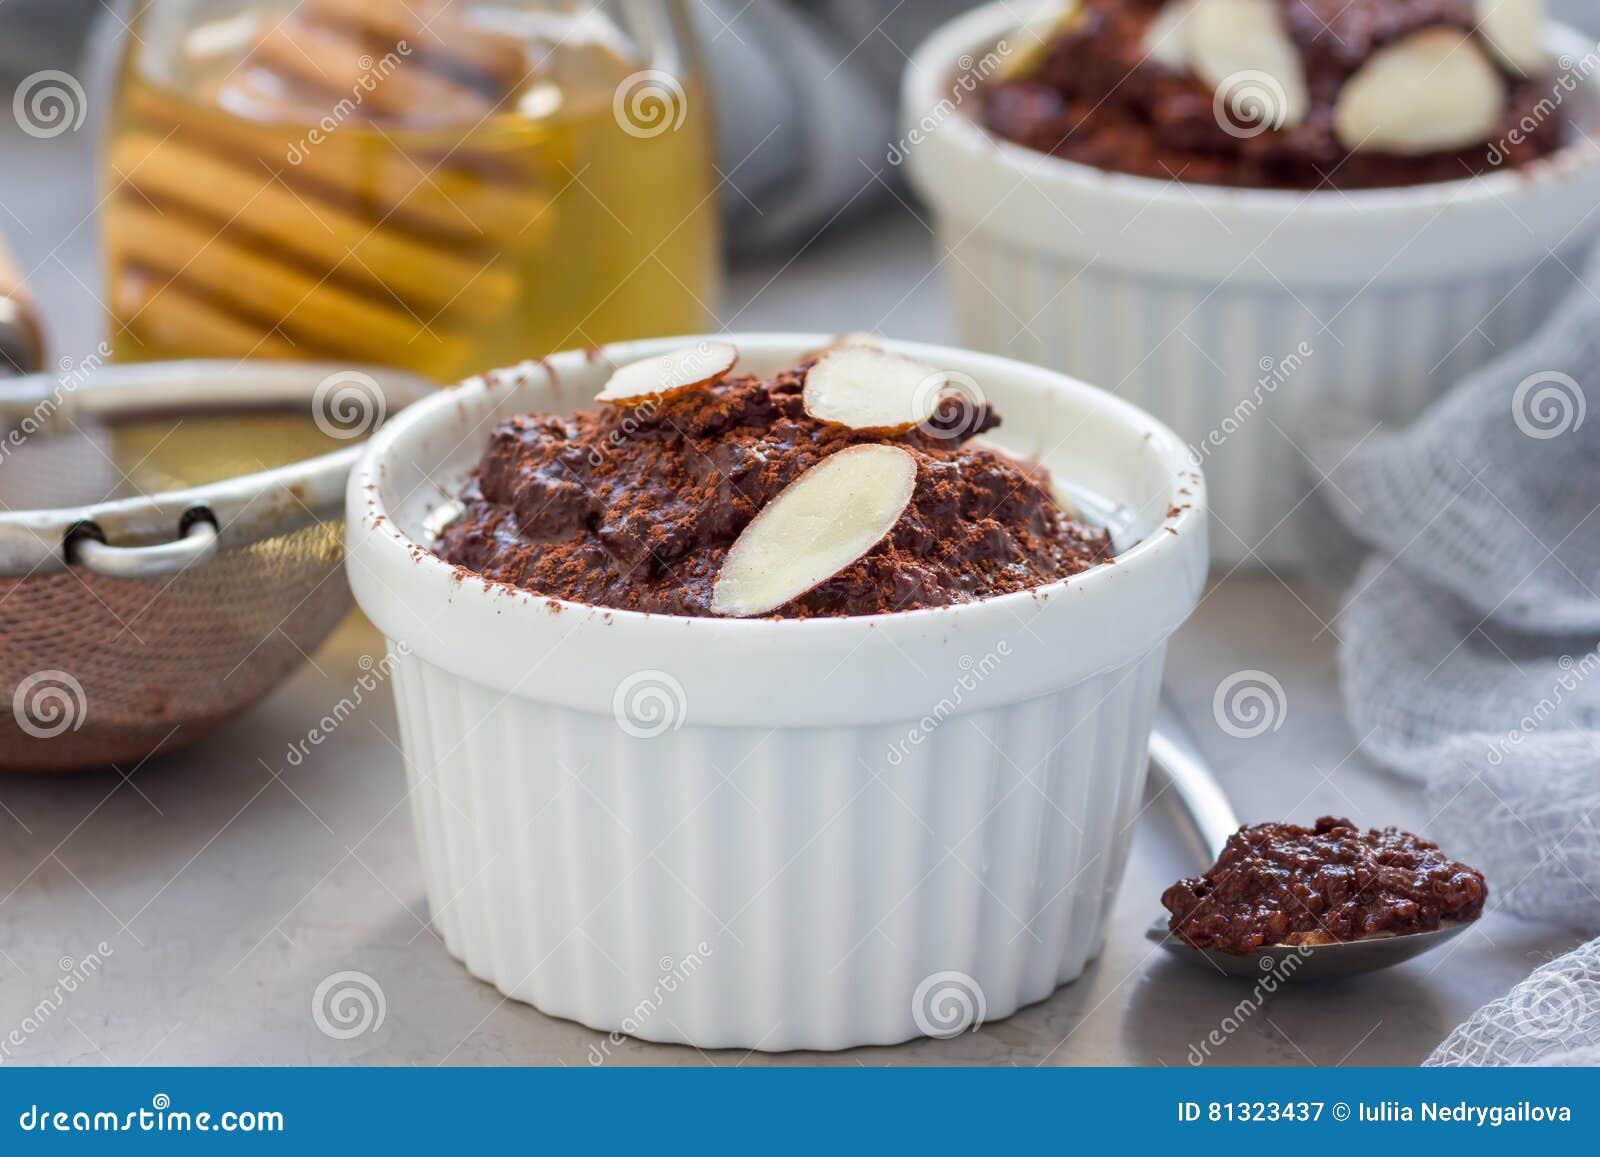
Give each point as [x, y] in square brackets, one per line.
[164, 533]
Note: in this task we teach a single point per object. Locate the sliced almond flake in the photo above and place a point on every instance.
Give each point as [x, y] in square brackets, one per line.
[1234, 45]
[857, 339]
[866, 388]
[819, 524]
[669, 373]
[1166, 38]
[1432, 91]
[1025, 47]
[1515, 30]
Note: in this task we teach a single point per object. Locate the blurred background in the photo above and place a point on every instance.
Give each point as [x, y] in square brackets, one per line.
[647, 226]
[163, 189]
[166, 136]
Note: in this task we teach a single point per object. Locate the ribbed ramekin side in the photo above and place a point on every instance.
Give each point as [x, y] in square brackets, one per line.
[417, 740]
[1249, 374]
[774, 889]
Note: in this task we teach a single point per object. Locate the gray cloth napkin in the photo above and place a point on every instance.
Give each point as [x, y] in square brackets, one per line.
[806, 98]
[1470, 654]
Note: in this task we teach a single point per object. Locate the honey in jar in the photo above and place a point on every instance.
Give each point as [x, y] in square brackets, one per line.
[444, 185]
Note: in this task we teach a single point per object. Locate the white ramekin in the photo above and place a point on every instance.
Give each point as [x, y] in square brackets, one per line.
[776, 834]
[1194, 301]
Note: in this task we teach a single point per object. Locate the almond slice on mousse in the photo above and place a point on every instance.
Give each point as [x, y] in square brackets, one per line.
[1024, 49]
[852, 340]
[866, 388]
[667, 374]
[1231, 39]
[820, 523]
[1166, 38]
[1515, 30]
[1429, 92]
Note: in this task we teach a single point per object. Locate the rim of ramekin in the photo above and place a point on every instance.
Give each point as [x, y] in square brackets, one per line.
[1183, 523]
[822, 672]
[927, 75]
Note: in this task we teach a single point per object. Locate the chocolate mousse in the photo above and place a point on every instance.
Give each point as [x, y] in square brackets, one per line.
[1278, 883]
[650, 500]
[1291, 94]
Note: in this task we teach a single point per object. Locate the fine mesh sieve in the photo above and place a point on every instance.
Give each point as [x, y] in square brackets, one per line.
[154, 578]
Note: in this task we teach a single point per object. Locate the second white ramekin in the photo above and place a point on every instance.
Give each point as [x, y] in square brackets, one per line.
[777, 834]
[1247, 319]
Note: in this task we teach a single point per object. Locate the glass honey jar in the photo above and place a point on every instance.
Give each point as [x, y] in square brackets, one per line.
[442, 185]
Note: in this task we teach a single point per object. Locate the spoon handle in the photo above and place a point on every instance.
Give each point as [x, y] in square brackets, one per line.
[1173, 753]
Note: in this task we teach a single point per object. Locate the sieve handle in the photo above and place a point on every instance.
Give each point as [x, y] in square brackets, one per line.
[199, 542]
[240, 511]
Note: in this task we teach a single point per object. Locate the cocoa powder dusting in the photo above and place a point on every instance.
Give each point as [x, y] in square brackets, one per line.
[635, 508]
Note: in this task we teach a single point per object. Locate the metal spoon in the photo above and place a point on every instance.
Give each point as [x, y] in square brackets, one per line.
[1211, 821]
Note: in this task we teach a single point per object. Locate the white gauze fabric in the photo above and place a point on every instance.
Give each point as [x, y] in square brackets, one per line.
[1470, 653]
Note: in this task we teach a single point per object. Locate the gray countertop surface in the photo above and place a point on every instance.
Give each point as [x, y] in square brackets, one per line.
[217, 888]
